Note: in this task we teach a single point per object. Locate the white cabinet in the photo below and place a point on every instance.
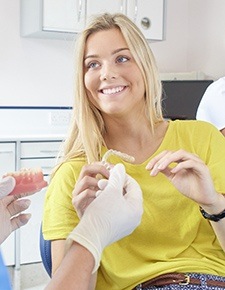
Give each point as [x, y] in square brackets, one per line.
[148, 15]
[100, 6]
[64, 18]
[50, 19]
[8, 164]
[7, 157]
[33, 155]
[23, 247]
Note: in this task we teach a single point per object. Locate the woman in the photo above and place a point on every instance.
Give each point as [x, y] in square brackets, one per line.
[118, 106]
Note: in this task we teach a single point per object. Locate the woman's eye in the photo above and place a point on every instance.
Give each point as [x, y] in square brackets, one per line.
[122, 59]
[92, 65]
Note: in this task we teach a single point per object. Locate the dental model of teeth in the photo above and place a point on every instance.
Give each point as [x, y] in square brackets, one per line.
[123, 156]
[27, 180]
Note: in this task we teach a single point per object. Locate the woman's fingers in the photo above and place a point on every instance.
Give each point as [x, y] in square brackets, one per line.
[82, 200]
[161, 162]
[94, 169]
[87, 186]
[88, 177]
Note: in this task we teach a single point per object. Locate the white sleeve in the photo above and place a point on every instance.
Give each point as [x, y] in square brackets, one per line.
[212, 106]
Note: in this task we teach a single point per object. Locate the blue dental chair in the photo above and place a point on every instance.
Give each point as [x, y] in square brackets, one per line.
[45, 251]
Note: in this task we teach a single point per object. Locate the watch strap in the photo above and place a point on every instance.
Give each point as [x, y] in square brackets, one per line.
[212, 217]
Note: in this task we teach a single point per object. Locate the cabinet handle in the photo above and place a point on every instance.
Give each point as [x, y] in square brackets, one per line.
[135, 11]
[79, 10]
[46, 167]
[49, 151]
[145, 23]
[6, 152]
[121, 6]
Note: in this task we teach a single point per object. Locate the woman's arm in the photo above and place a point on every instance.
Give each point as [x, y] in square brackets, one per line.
[223, 131]
[75, 270]
[57, 254]
[219, 226]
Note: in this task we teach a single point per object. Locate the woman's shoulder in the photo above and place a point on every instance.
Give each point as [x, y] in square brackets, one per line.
[193, 131]
[193, 125]
[70, 167]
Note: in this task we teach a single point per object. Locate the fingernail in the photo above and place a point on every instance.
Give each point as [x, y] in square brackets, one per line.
[98, 193]
[152, 173]
[24, 218]
[27, 203]
[160, 166]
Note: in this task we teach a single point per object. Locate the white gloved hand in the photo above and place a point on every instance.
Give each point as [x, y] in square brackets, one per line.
[6, 185]
[111, 216]
[11, 217]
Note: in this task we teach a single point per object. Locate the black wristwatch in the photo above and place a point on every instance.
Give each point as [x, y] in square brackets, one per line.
[212, 217]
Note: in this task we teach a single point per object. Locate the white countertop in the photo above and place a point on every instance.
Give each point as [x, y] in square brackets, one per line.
[31, 137]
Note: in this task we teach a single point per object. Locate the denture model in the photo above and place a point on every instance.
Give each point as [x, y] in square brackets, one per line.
[27, 180]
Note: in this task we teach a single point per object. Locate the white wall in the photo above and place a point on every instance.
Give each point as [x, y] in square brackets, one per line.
[37, 72]
[206, 37]
[33, 72]
[171, 54]
[195, 38]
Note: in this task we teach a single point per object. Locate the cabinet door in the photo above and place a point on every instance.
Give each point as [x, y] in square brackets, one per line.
[40, 149]
[7, 157]
[7, 164]
[64, 15]
[100, 6]
[36, 154]
[30, 234]
[148, 15]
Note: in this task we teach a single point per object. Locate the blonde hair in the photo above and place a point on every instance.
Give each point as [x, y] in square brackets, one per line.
[85, 137]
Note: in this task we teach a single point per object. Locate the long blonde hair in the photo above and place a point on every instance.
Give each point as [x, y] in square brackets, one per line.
[85, 137]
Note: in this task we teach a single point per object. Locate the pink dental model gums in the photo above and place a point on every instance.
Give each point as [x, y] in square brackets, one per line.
[27, 181]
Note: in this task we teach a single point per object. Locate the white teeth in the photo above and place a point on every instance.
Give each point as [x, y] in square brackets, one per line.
[112, 91]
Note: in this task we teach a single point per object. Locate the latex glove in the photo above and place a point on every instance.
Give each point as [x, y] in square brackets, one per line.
[10, 209]
[6, 185]
[111, 216]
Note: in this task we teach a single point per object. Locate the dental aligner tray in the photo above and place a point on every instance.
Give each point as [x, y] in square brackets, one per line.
[123, 156]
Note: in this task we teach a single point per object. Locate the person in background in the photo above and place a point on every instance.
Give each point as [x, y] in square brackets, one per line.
[212, 106]
[179, 165]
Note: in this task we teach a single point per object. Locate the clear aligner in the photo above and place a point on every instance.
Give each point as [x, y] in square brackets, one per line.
[123, 156]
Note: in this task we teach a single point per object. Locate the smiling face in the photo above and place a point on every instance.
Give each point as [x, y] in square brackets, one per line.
[112, 78]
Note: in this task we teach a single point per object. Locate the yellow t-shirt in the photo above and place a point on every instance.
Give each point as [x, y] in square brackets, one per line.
[173, 236]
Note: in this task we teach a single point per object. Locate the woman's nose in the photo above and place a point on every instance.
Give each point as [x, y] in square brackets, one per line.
[107, 73]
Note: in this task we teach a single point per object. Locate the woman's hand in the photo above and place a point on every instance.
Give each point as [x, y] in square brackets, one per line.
[190, 175]
[87, 186]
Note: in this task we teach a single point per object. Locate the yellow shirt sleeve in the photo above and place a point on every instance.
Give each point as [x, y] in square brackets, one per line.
[59, 217]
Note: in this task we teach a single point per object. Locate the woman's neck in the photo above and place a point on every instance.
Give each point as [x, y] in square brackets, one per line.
[134, 139]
